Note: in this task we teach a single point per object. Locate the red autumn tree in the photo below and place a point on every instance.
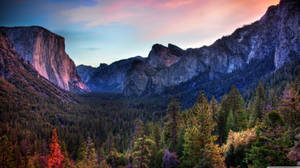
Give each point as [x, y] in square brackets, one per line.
[55, 158]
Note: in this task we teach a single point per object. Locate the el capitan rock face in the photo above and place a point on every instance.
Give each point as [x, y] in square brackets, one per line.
[45, 51]
[17, 76]
[259, 48]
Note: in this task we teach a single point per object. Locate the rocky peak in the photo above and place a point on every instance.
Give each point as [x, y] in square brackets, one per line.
[161, 56]
[175, 50]
[102, 66]
[46, 52]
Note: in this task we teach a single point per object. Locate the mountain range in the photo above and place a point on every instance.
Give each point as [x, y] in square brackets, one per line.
[249, 54]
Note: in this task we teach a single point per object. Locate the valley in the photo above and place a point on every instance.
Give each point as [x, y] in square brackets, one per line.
[235, 103]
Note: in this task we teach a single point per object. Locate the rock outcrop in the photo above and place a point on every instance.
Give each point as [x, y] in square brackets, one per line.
[17, 76]
[45, 51]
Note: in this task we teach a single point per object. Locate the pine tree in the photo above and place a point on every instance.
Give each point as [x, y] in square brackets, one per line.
[214, 108]
[290, 106]
[199, 147]
[142, 152]
[157, 135]
[172, 124]
[230, 124]
[272, 145]
[139, 128]
[238, 110]
[80, 154]
[88, 156]
[259, 104]
[222, 119]
[91, 154]
[55, 158]
[157, 153]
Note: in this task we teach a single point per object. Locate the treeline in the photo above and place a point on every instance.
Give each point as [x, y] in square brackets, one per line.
[261, 132]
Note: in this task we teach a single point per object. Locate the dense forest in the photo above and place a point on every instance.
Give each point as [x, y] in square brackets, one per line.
[108, 130]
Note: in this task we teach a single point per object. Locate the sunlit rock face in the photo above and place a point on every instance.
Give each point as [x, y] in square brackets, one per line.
[19, 76]
[46, 52]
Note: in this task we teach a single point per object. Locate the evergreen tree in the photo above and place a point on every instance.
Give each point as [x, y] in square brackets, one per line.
[88, 153]
[81, 151]
[250, 112]
[290, 106]
[55, 158]
[172, 124]
[91, 156]
[222, 119]
[238, 110]
[272, 145]
[199, 147]
[139, 128]
[157, 135]
[259, 104]
[116, 159]
[230, 124]
[157, 154]
[142, 152]
[214, 108]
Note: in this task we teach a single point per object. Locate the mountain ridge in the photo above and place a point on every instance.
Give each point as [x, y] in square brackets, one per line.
[274, 38]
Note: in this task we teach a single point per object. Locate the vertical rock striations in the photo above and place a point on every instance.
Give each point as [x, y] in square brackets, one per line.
[17, 77]
[45, 51]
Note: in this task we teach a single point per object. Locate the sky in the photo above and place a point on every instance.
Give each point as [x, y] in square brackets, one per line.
[104, 31]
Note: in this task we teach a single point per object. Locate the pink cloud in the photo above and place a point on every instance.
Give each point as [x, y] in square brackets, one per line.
[156, 19]
[176, 3]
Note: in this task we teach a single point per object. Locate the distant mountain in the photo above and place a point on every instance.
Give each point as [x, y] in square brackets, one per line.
[249, 54]
[107, 78]
[45, 51]
[19, 79]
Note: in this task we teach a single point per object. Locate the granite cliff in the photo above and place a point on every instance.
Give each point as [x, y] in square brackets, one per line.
[19, 78]
[259, 48]
[45, 51]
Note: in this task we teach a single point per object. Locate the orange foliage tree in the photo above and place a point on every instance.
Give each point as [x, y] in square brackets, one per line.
[55, 158]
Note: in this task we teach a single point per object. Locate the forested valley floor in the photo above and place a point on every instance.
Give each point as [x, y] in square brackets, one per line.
[109, 130]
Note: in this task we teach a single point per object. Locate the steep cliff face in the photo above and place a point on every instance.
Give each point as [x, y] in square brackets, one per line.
[45, 51]
[275, 38]
[18, 77]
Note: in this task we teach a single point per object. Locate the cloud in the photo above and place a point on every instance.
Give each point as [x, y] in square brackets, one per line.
[161, 18]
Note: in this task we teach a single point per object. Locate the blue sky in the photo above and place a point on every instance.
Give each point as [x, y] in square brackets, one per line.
[104, 31]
